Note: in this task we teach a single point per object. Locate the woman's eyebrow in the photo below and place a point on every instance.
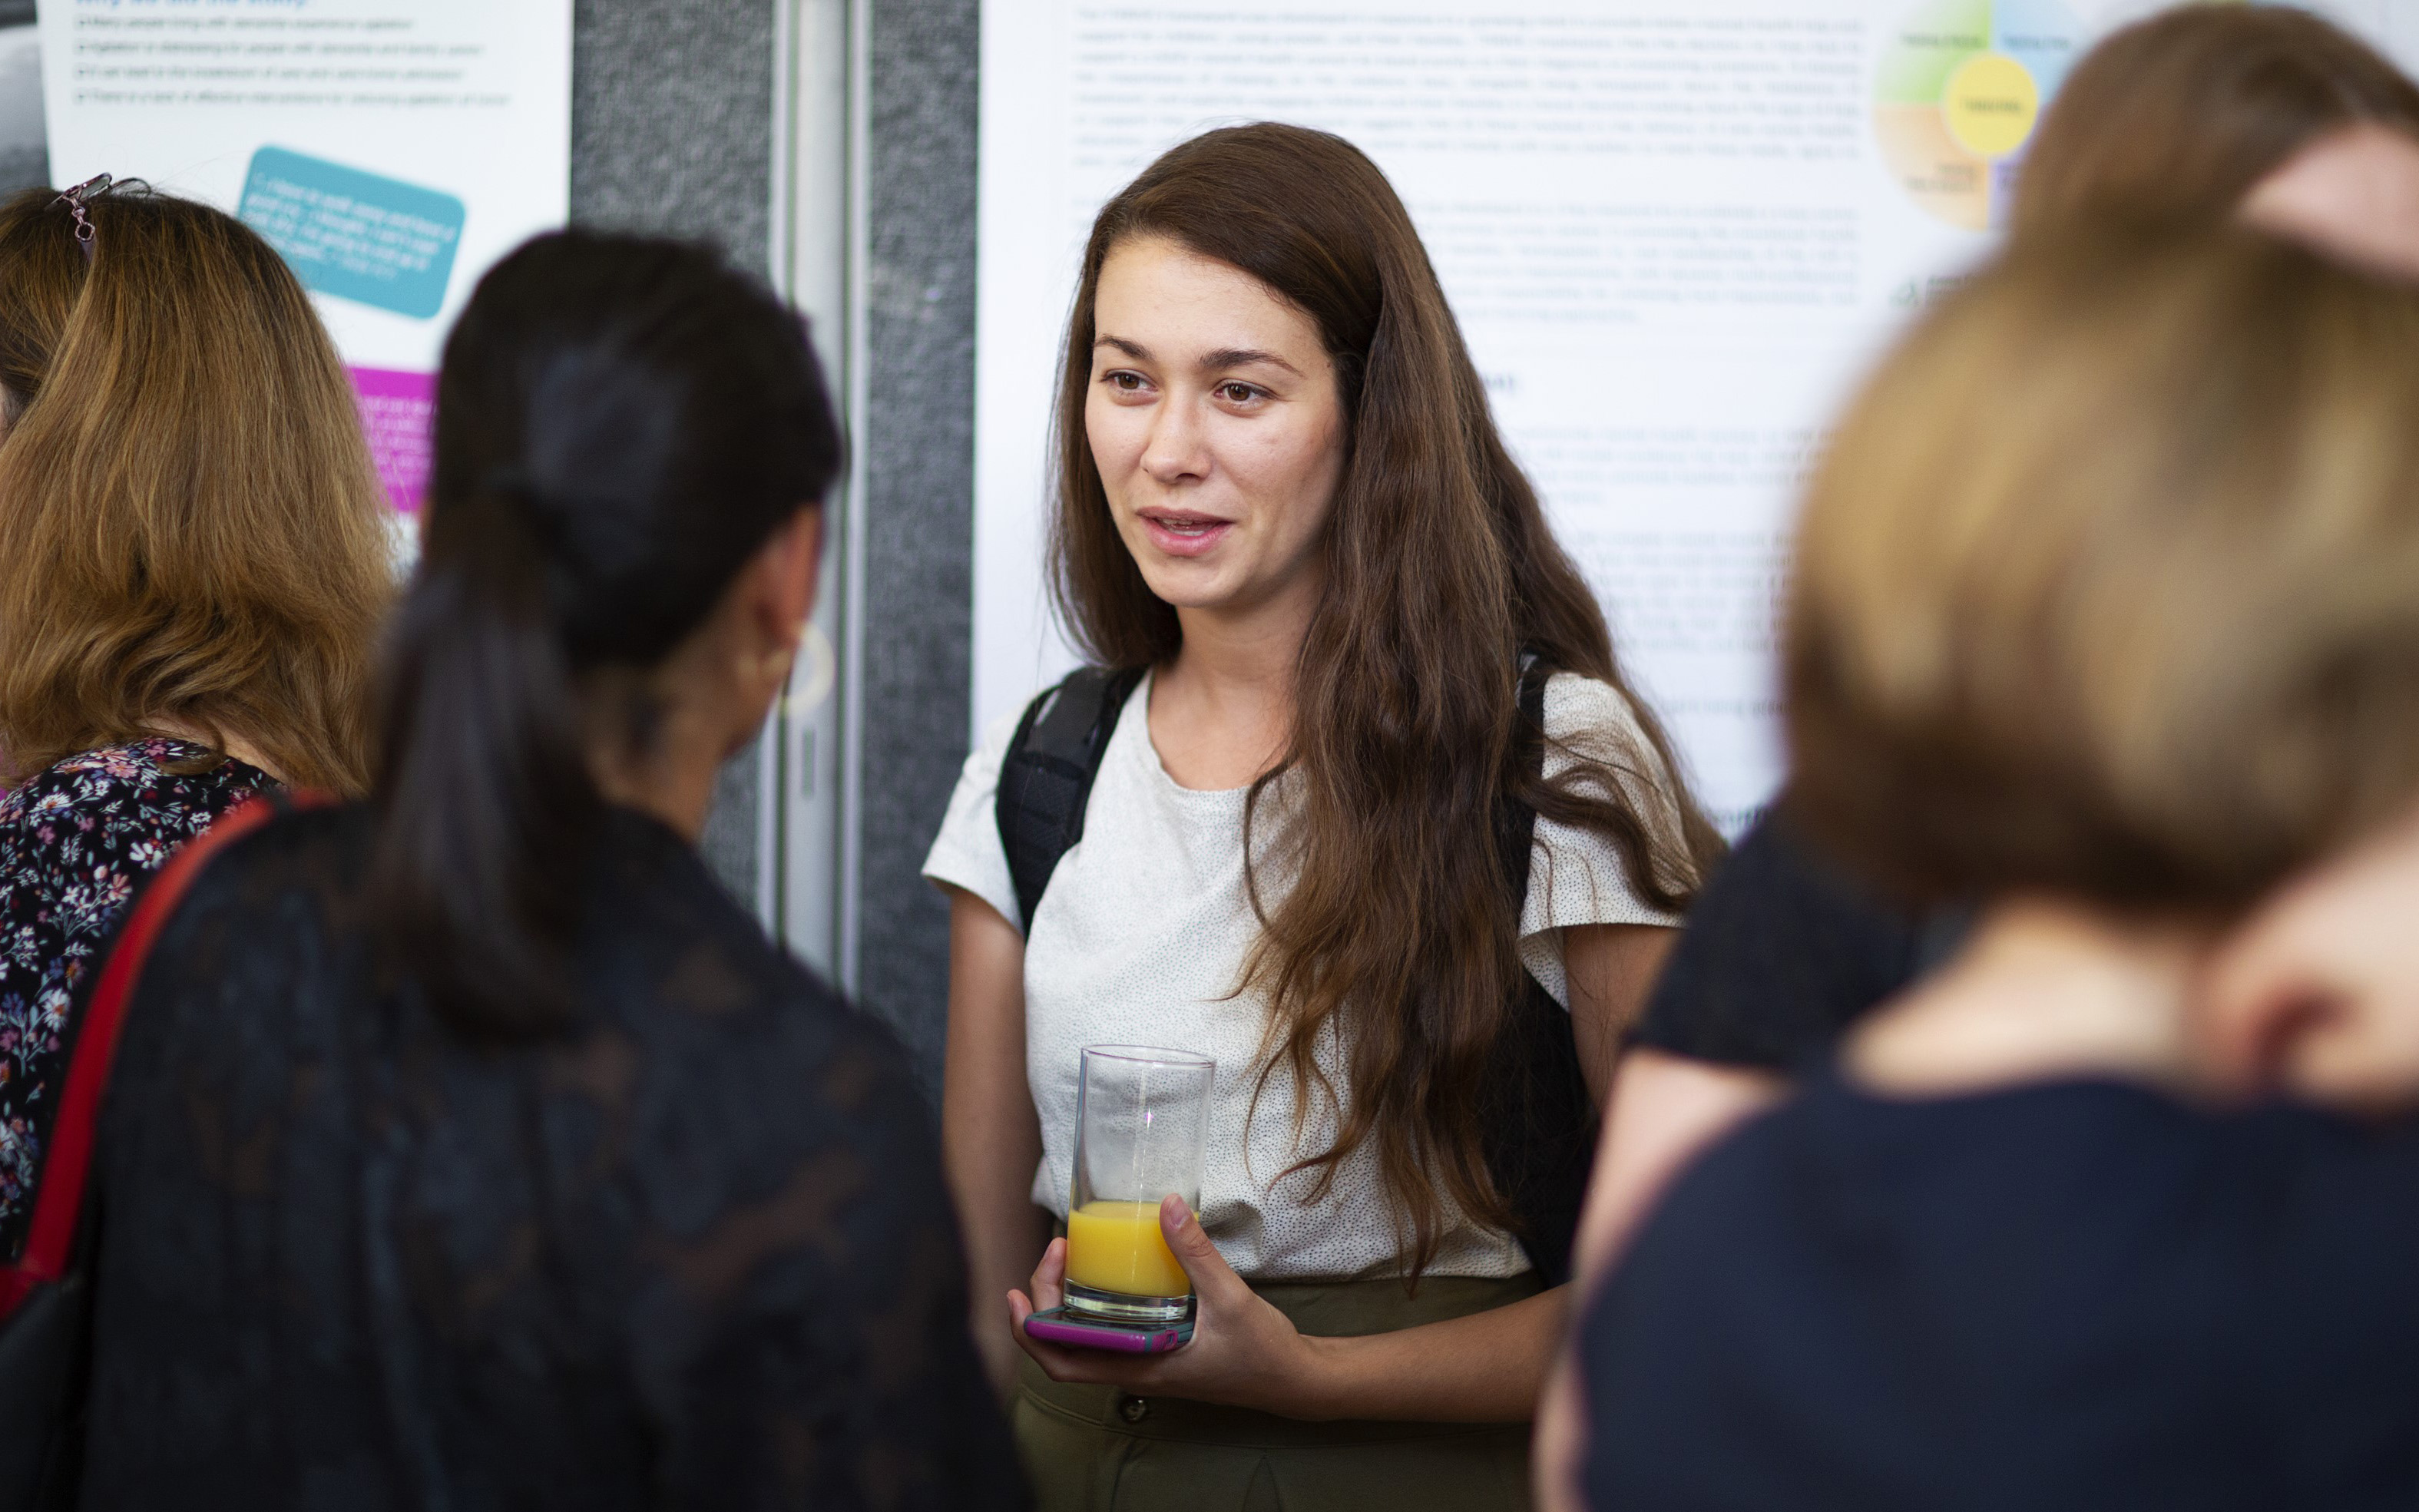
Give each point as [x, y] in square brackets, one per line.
[1244, 357]
[1223, 357]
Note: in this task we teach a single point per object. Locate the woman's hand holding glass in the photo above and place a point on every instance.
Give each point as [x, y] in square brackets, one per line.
[1244, 1352]
[1138, 1255]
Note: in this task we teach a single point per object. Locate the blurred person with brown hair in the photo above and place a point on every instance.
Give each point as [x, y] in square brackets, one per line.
[2103, 617]
[2175, 119]
[2184, 119]
[2181, 121]
[194, 566]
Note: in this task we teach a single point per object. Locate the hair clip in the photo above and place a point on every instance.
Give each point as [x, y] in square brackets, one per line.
[76, 199]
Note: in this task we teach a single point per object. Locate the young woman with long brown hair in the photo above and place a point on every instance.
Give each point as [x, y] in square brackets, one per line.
[196, 563]
[1283, 508]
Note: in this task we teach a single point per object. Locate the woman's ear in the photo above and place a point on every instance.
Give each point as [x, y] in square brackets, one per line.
[803, 565]
[782, 582]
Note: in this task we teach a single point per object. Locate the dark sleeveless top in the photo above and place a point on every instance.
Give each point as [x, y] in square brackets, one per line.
[1784, 951]
[694, 1252]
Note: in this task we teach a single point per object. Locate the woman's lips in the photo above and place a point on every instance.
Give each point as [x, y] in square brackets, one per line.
[1180, 535]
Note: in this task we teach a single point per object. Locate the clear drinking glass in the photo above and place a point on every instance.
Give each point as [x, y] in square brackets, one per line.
[1142, 1117]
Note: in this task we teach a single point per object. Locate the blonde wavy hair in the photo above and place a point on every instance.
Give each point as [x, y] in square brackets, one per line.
[194, 532]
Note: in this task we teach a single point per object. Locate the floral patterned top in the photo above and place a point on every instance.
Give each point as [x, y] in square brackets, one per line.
[76, 839]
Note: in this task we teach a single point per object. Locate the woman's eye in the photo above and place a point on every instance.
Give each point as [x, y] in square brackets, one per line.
[1125, 382]
[1238, 393]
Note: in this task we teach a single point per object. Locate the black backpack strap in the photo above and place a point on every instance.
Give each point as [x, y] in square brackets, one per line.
[1515, 823]
[1045, 779]
[1541, 1122]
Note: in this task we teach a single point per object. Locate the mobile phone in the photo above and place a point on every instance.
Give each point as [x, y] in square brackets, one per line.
[1052, 1325]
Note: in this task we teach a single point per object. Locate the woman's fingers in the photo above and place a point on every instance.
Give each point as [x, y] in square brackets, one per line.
[1243, 1351]
[2319, 993]
[1056, 1363]
[1213, 1280]
[1083, 1367]
[2257, 1009]
[2266, 989]
[1049, 1281]
[1087, 1367]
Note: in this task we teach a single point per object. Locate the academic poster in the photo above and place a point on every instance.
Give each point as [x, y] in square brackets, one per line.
[391, 150]
[1674, 232]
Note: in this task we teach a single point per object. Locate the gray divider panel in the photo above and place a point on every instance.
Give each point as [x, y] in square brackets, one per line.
[672, 130]
[672, 133]
[919, 510]
[24, 161]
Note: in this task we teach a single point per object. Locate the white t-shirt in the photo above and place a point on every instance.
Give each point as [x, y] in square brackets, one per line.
[1141, 937]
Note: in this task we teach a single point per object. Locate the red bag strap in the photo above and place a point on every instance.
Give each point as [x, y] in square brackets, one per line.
[50, 1241]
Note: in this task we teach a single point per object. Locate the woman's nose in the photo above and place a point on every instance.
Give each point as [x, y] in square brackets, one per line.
[1176, 449]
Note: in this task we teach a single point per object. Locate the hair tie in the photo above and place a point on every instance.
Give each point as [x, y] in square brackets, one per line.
[514, 499]
[512, 486]
[76, 199]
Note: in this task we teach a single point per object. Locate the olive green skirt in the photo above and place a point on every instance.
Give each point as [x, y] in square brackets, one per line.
[1097, 1449]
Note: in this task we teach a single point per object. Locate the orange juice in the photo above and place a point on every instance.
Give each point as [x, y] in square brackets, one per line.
[1117, 1247]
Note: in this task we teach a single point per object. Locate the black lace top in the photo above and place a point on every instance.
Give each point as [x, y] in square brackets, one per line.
[695, 1252]
[75, 841]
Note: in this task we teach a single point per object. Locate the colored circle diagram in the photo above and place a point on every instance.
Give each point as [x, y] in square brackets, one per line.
[1960, 86]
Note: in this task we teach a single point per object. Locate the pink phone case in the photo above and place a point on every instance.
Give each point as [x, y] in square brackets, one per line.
[1053, 1326]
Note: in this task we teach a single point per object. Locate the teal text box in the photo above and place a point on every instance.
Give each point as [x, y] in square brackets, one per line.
[352, 233]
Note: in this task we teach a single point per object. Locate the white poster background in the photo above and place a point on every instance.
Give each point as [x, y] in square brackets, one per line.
[1667, 228]
[469, 97]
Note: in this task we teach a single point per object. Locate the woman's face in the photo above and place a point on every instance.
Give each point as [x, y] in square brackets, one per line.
[1214, 420]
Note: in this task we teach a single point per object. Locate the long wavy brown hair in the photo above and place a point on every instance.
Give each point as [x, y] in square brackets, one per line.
[192, 527]
[1395, 937]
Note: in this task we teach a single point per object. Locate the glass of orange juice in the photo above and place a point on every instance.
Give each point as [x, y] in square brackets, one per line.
[1142, 1117]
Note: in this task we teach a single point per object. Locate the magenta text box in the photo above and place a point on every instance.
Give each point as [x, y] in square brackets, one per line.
[397, 409]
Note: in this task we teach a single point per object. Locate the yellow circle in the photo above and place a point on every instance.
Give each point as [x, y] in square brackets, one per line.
[1991, 102]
